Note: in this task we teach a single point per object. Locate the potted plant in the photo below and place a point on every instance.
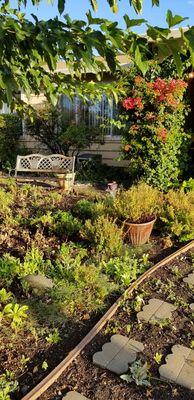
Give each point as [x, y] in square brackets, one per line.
[65, 180]
[138, 208]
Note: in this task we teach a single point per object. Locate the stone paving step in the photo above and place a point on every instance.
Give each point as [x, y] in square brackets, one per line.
[192, 306]
[190, 279]
[156, 310]
[179, 367]
[118, 354]
[74, 396]
[39, 281]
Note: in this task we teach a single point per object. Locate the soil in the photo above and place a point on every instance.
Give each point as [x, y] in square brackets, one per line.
[99, 384]
[73, 332]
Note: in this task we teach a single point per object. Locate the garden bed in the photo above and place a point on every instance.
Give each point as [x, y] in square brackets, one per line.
[75, 242]
[95, 383]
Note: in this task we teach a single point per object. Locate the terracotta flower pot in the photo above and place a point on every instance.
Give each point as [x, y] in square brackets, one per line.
[139, 233]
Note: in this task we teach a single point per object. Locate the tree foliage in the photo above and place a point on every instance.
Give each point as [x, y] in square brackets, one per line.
[30, 51]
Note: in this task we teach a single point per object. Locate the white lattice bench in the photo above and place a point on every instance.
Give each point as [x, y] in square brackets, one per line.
[48, 164]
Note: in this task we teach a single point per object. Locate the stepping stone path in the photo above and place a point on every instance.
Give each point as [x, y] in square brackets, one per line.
[179, 366]
[39, 282]
[118, 354]
[190, 279]
[156, 310]
[74, 396]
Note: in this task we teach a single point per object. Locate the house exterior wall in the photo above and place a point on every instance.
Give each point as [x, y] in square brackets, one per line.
[109, 150]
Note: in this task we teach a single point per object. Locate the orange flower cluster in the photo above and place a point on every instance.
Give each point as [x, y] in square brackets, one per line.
[162, 134]
[127, 147]
[168, 90]
[138, 80]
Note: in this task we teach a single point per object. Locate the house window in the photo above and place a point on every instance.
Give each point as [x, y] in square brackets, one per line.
[5, 109]
[98, 114]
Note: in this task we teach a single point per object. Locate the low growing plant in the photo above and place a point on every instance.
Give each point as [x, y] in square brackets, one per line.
[141, 203]
[15, 313]
[177, 215]
[53, 337]
[138, 373]
[126, 268]
[66, 224]
[104, 234]
[9, 268]
[8, 385]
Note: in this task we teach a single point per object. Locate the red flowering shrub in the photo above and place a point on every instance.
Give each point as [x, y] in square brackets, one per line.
[154, 138]
[131, 103]
[168, 91]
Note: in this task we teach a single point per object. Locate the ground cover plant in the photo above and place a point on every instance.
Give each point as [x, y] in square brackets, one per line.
[63, 260]
[142, 381]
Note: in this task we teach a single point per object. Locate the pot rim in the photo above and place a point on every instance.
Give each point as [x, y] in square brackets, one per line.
[140, 223]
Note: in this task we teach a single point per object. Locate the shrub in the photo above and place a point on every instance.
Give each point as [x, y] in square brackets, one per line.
[80, 286]
[178, 215]
[58, 133]
[84, 209]
[154, 137]
[104, 234]
[45, 221]
[10, 131]
[140, 203]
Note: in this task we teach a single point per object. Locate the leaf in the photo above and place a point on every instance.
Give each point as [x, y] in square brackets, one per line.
[155, 32]
[174, 20]
[113, 5]
[142, 64]
[189, 35]
[137, 5]
[94, 5]
[126, 378]
[44, 365]
[61, 6]
[133, 22]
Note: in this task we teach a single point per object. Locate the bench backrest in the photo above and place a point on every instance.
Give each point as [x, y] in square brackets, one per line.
[45, 163]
